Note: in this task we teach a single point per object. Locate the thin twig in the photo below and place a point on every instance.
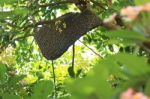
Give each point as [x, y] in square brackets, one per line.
[91, 49]
[73, 56]
[37, 23]
[54, 79]
[22, 37]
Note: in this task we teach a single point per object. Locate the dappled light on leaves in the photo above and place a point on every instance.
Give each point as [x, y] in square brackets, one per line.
[74, 49]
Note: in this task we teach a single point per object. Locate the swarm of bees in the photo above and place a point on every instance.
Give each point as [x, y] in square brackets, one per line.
[56, 37]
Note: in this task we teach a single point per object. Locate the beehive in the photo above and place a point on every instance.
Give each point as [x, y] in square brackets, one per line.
[57, 36]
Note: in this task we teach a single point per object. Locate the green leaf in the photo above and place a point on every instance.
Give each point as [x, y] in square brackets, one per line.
[147, 89]
[111, 66]
[42, 89]
[3, 73]
[14, 80]
[126, 34]
[94, 86]
[132, 64]
[71, 72]
[2, 2]
[10, 96]
[4, 15]
[17, 11]
[66, 97]
[140, 2]
[21, 11]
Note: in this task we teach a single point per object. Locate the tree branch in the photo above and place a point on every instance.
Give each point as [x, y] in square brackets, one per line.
[22, 37]
[55, 4]
[91, 49]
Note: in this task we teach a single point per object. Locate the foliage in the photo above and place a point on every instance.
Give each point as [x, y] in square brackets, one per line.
[107, 62]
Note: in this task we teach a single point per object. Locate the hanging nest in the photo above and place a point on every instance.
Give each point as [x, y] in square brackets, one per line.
[56, 37]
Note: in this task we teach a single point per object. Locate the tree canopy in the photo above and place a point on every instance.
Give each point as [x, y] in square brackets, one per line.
[74, 49]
